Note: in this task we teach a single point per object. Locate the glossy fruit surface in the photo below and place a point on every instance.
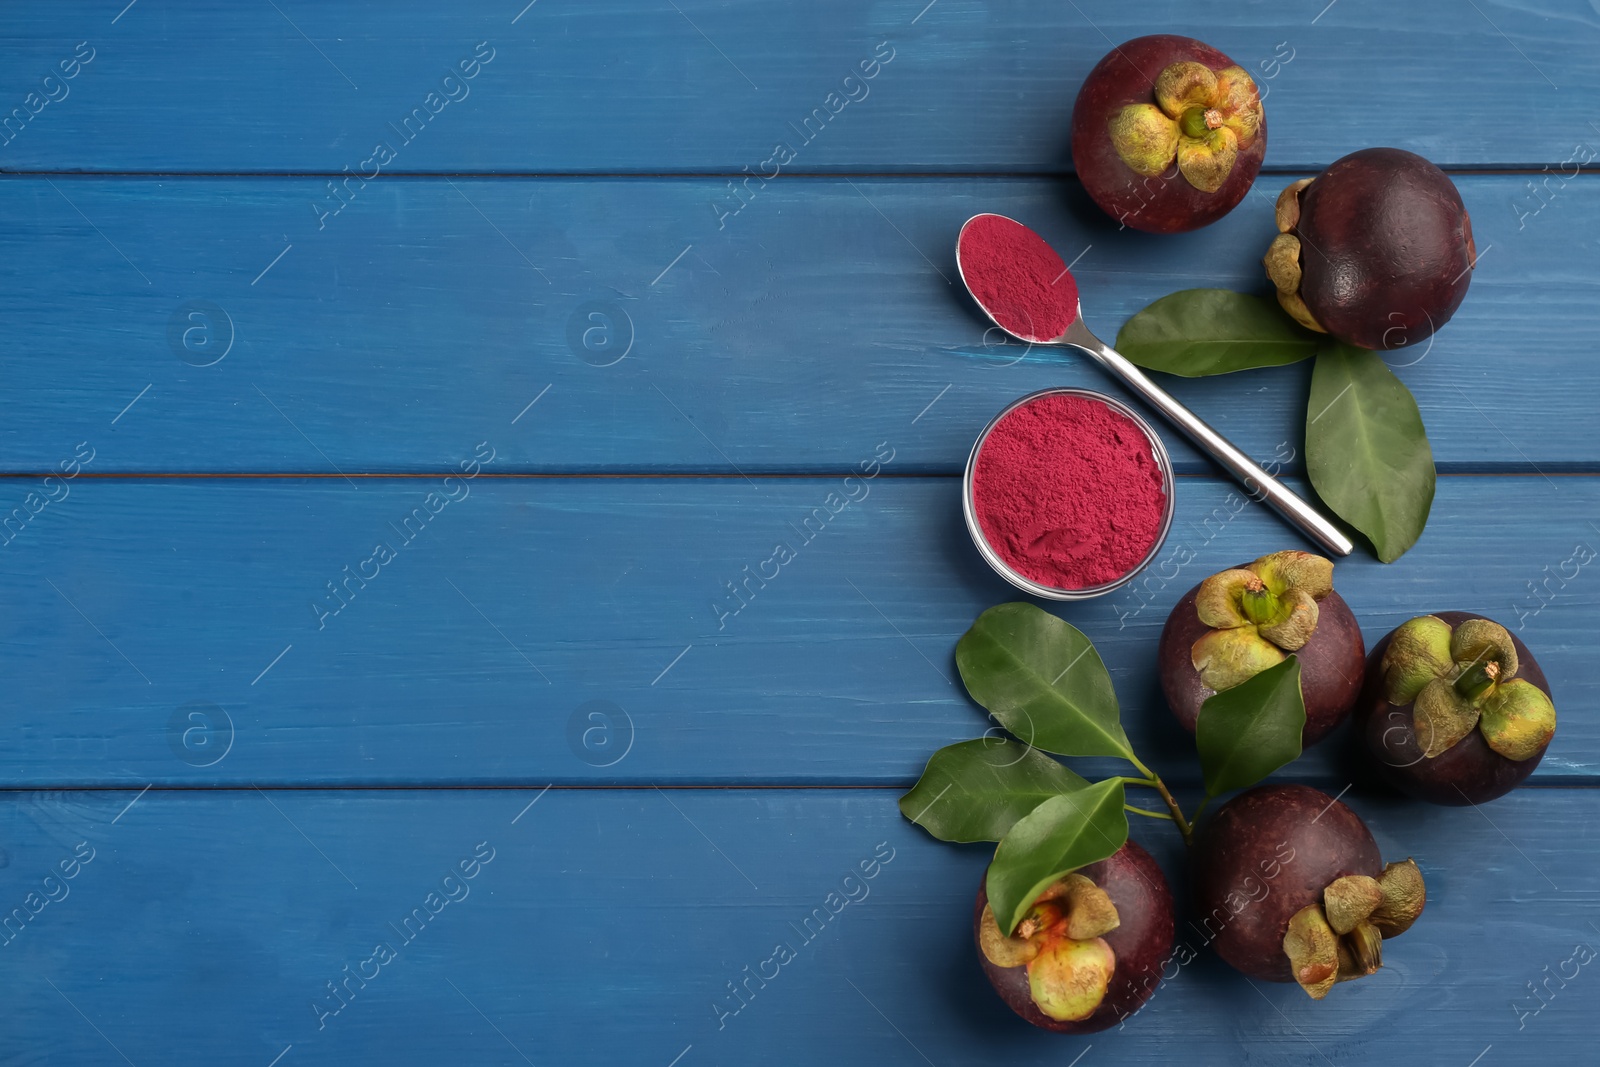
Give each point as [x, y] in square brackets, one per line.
[1140, 944]
[1167, 134]
[1469, 771]
[1376, 250]
[1265, 855]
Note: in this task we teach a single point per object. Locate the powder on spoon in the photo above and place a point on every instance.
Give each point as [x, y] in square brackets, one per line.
[1068, 491]
[1017, 277]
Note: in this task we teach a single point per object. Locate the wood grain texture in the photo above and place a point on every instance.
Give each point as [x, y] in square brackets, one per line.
[608, 924]
[194, 288]
[636, 86]
[473, 655]
[817, 322]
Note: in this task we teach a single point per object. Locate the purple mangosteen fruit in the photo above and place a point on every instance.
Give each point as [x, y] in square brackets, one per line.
[1289, 887]
[1456, 709]
[1241, 621]
[1167, 134]
[1089, 952]
[1376, 250]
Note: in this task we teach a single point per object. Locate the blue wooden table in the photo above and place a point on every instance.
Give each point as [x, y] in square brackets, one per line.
[394, 396]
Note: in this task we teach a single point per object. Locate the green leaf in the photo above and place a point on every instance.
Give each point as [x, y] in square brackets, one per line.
[1247, 732]
[976, 790]
[1060, 835]
[1366, 449]
[1213, 331]
[1043, 681]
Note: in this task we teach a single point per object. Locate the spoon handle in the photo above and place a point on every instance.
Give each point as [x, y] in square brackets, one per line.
[1260, 484]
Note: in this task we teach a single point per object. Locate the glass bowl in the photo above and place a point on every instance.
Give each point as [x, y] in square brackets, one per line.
[1004, 569]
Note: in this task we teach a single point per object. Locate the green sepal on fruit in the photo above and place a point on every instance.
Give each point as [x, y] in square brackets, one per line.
[1224, 659]
[1463, 678]
[1168, 133]
[1376, 250]
[1200, 119]
[1258, 615]
[1060, 940]
[1341, 938]
[1290, 886]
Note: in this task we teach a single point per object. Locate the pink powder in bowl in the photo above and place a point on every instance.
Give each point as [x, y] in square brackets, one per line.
[1068, 491]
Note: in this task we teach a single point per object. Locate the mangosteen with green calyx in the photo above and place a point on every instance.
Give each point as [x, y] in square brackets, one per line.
[1456, 710]
[1241, 621]
[1289, 887]
[1168, 133]
[1090, 950]
[1376, 250]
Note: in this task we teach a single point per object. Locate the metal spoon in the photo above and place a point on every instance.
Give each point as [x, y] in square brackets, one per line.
[1261, 485]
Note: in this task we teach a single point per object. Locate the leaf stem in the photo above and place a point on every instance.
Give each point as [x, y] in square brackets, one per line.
[1154, 780]
[1148, 813]
[1148, 783]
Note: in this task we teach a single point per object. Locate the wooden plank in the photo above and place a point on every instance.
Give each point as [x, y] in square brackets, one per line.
[581, 631]
[640, 86]
[608, 923]
[817, 322]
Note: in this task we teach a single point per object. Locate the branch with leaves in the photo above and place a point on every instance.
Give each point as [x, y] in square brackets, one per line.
[1043, 682]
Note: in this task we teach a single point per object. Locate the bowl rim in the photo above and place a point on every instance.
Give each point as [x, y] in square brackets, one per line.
[1028, 585]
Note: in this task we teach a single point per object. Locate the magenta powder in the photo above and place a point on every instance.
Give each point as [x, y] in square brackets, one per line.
[1017, 277]
[1068, 491]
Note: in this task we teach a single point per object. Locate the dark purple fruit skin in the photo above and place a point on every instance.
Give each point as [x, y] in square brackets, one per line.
[1166, 203]
[1386, 248]
[1469, 772]
[1303, 835]
[1331, 665]
[1142, 943]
